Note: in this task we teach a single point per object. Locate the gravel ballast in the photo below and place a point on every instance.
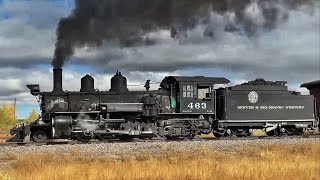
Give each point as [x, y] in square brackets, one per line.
[131, 148]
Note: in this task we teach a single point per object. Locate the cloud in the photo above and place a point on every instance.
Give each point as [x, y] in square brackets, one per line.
[40, 14]
[290, 51]
[27, 33]
[127, 21]
[23, 45]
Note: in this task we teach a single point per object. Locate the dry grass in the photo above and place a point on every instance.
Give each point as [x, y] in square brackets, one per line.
[270, 162]
[258, 132]
[3, 138]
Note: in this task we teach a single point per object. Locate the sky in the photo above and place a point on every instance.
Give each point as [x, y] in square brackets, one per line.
[289, 51]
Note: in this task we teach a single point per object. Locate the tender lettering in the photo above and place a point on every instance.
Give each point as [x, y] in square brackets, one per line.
[275, 107]
[271, 107]
[294, 107]
[245, 107]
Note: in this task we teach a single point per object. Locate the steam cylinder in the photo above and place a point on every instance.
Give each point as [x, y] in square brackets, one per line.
[87, 84]
[119, 83]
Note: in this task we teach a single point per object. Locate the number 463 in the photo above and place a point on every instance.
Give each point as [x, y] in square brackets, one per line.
[197, 105]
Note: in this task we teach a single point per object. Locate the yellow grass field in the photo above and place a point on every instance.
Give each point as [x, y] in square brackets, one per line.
[265, 162]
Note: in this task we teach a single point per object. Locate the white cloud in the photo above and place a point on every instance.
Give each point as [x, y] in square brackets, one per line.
[304, 91]
[254, 13]
[22, 42]
[27, 36]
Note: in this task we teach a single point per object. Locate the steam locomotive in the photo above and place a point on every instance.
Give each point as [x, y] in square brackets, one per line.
[182, 107]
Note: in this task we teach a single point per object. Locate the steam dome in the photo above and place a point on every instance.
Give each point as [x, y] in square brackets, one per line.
[119, 83]
[87, 84]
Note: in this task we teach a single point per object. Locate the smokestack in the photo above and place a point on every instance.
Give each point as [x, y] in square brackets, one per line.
[57, 80]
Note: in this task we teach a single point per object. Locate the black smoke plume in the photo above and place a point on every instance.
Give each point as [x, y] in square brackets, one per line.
[94, 22]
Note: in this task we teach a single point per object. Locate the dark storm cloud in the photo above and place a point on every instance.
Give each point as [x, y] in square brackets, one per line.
[289, 51]
[127, 21]
[24, 62]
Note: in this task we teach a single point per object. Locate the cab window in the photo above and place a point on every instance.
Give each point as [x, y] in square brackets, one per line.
[188, 90]
[203, 92]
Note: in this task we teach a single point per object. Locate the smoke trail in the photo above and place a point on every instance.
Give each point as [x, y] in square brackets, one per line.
[127, 21]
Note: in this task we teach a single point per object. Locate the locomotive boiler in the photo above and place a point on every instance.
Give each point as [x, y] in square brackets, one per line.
[182, 107]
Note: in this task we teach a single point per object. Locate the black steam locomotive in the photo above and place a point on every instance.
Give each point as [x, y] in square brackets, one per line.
[182, 107]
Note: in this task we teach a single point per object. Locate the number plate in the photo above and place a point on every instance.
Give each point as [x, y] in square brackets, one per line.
[197, 106]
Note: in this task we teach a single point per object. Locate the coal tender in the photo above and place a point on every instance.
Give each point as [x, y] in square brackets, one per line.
[182, 107]
[266, 104]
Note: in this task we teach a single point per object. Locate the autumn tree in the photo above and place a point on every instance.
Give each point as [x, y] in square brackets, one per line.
[7, 117]
[32, 117]
[2, 121]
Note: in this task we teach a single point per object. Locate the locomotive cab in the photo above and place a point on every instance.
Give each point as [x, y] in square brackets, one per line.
[193, 95]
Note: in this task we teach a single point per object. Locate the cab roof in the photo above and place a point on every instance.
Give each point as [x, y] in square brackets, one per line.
[200, 79]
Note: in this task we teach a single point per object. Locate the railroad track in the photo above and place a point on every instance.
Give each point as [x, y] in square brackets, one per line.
[69, 142]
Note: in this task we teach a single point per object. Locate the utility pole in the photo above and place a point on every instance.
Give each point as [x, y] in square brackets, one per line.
[14, 108]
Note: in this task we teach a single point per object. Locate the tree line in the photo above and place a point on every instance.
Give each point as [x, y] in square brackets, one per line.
[9, 120]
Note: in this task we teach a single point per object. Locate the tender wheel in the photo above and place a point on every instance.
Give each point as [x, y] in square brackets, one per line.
[218, 133]
[244, 133]
[298, 132]
[191, 136]
[311, 131]
[39, 136]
